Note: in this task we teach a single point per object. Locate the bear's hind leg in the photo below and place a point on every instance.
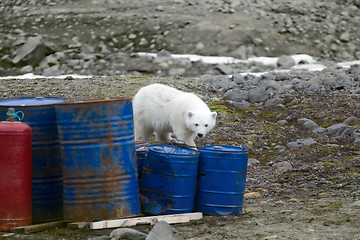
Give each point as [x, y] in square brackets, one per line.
[143, 133]
[163, 137]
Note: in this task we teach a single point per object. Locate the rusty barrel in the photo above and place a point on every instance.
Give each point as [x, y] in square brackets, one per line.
[141, 151]
[168, 183]
[39, 113]
[221, 180]
[98, 156]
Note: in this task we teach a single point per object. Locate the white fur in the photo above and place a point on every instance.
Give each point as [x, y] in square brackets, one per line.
[165, 109]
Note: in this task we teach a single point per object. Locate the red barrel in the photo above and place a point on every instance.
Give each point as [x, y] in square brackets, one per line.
[15, 175]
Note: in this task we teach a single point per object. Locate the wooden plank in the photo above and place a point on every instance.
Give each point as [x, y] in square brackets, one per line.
[38, 227]
[78, 225]
[127, 222]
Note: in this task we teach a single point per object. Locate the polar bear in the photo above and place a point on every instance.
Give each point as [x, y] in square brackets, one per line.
[164, 109]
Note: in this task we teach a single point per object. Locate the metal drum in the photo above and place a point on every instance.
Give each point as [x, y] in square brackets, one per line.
[141, 151]
[168, 183]
[47, 190]
[98, 155]
[221, 180]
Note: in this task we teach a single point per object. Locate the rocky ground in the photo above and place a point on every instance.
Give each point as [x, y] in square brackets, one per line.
[303, 137]
[100, 37]
[302, 128]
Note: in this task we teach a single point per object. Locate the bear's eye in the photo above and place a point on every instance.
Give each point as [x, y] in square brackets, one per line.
[196, 124]
[206, 125]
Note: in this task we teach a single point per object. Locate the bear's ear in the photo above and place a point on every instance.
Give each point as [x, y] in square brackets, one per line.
[190, 114]
[214, 114]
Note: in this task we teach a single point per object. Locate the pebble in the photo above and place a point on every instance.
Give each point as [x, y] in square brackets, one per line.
[253, 161]
[351, 120]
[336, 127]
[283, 166]
[221, 82]
[163, 231]
[127, 233]
[355, 204]
[301, 143]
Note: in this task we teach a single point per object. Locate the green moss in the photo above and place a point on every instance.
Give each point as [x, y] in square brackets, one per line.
[354, 174]
[352, 159]
[221, 108]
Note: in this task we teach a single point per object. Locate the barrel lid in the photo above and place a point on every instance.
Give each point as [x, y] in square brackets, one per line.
[224, 148]
[172, 149]
[30, 101]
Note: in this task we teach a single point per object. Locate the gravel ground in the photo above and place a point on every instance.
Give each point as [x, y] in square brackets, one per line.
[310, 191]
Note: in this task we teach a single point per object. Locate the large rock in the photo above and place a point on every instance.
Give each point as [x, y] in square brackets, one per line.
[31, 53]
[221, 82]
[257, 94]
[236, 95]
[163, 231]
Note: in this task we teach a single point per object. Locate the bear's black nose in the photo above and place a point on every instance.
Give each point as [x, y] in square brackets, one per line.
[200, 135]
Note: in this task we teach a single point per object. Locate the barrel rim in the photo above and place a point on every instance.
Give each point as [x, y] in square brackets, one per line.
[29, 106]
[195, 152]
[90, 101]
[240, 148]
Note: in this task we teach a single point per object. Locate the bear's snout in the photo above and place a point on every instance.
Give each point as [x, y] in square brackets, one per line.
[200, 135]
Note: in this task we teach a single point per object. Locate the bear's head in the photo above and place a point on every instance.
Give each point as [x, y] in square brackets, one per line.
[200, 122]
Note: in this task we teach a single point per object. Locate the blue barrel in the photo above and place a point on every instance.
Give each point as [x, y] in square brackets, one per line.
[168, 183]
[98, 156]
[141, 151]
[47, 189]
[221, 180]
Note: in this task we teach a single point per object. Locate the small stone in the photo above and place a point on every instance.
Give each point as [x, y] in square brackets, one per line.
[52, 71]
[351, 120]
[99, 238]
[319, 130]
[282, 122]
[127, 233]
[278, 102]
[163, 230]
[345, 37]
[177, 71]
[284, 166]
[221, 82]
[199, 46]
[224, 69]
[86, 48]
[132, 36]
[252, 195]
[346, 132]
[27, 69]
[280, 148]
[163, 53]
[253, 161]
[242, 104]
[336, 127]
[285, 61]
[301, 143]
[143, 42]
[355, 204]
[310, 125]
